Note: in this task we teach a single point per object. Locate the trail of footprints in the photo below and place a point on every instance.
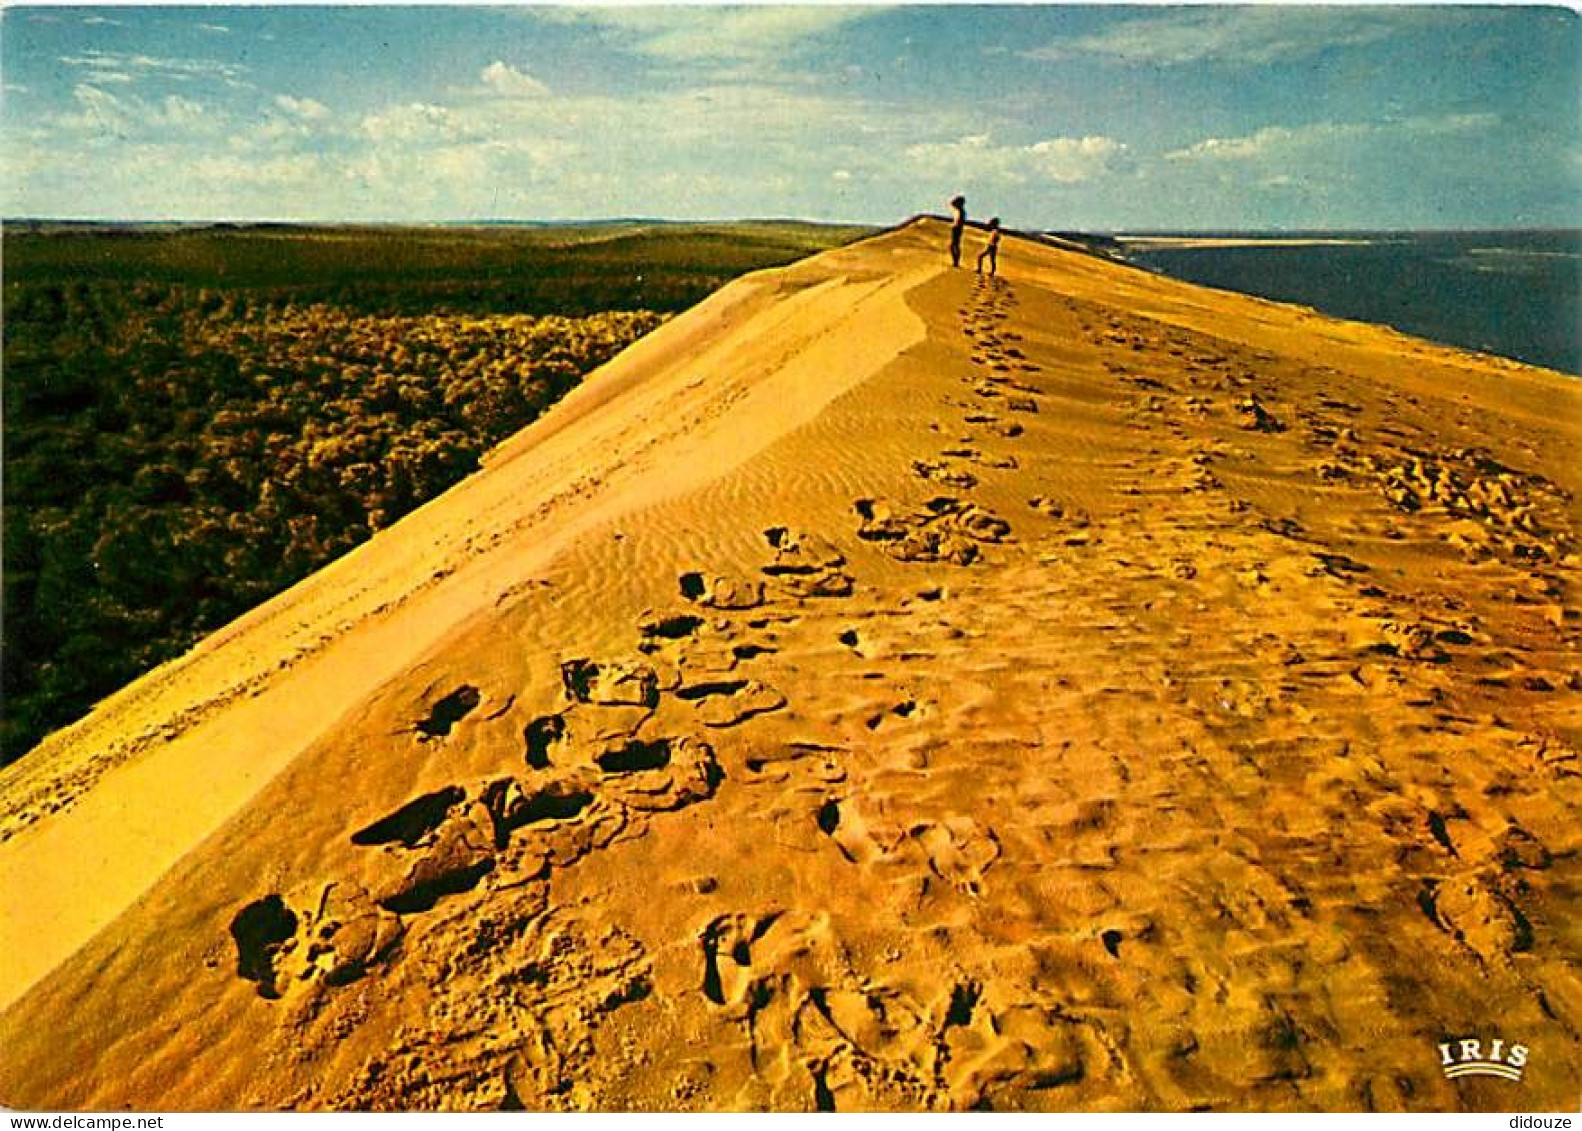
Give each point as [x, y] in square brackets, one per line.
[631, 740]
[1387, 645]
[638, 736]
[1433, 493]
[1496, 517]
[787, 981]
[592, 770]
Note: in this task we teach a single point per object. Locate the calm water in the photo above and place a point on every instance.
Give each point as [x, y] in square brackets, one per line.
[1518, 294]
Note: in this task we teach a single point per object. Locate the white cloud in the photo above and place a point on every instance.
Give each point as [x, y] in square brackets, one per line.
[148, 66]
[714, 34]
[475, 154]
[180, 113]
[222, 170]
[508, 82]
[101, 114]
[1062, 160]
[1453, 123]
[413, 122]
[306, 108]
[98, 112]
[1273, 143]
[1240, 36]
[1244, 148]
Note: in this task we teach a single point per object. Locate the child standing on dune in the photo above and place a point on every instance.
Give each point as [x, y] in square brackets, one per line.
[958, 205]
[992, 252]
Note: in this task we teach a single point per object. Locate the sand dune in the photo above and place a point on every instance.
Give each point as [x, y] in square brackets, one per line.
[879, 688]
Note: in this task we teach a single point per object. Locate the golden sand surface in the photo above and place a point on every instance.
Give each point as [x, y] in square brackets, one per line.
[879, 688]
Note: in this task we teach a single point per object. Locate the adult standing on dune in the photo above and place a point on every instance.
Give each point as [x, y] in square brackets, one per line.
[992, 252]
[958, 205]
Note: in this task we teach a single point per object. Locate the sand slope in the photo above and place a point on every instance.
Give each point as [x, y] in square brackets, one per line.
[879, 688]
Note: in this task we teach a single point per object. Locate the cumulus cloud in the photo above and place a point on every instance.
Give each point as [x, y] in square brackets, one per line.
[97, 112]
[413, 121]
[1062, 160]
[306, 108]
[180, 113]
[101, 114]
[508, 82]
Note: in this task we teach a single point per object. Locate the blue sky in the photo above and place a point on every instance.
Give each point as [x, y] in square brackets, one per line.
[1087, 117]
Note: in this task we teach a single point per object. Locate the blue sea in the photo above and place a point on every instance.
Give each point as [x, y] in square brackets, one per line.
[1513, 293]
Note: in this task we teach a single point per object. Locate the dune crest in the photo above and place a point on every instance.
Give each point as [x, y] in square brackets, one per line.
[881, 687]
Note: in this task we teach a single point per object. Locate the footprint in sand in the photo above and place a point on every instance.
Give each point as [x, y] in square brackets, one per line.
[727, 703]
[544, 740]
[1479, 917]
[820, 1034]
[537, 982]
[413, 822]
[824, 1034]
[982, 459]
[656, 628]
[1051, 507]
[613, 683]
[991, 1037]
[868, 645]
[662, 773]
[715, 591]
[959, 851]
[727, 943]
[943, 530]
[337, 938]
[448, 711]
[797, 763]
[806, 565]
[617, 744]
[906, 709]
[947, 472]
[994, 424]
[956, 850]
[262, 931]
[447, 857]
[861, 836]
[513, 807]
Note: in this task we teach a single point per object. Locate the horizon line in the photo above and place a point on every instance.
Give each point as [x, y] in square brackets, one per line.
[597, 221]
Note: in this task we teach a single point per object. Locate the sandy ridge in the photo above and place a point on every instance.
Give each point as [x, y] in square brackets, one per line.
[1102, 693]
[198, 737]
